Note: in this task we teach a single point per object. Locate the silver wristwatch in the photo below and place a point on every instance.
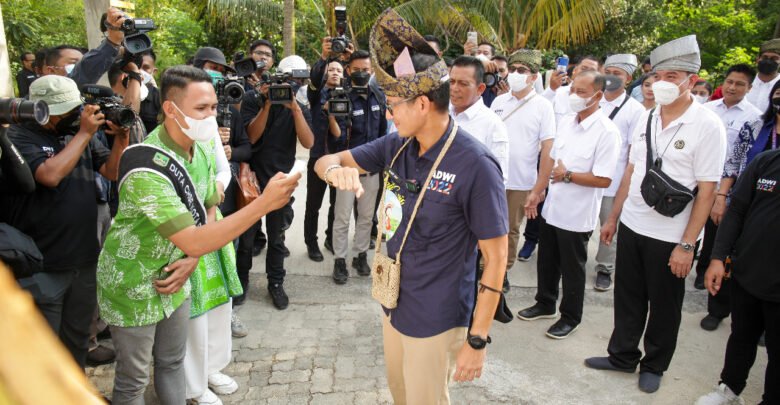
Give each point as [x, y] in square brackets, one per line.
[687, 247]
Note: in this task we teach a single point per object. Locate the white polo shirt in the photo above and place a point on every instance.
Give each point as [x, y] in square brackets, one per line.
[696, 152]
[593, 146]
[625, 120]
[759, 93]
[560, 101]
[484, 125]
[527, 127]
[734, 118]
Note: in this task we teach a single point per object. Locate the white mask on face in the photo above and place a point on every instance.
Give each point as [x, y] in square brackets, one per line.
[69, 68]
[577, 103]
[666, 92]
[199, 130]
[517, 82]
[146, 77]
[701, 99]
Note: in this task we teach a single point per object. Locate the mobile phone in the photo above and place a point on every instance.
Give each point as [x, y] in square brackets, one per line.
[299, 166]
[563, 64]
[471, 36]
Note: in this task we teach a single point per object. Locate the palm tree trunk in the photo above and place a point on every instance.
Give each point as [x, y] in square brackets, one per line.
[288, 31]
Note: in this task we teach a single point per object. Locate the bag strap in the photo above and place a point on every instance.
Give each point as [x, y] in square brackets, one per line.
[417, 203]
[648, 135]
[149, 158]
[615, 111]
[518, 107]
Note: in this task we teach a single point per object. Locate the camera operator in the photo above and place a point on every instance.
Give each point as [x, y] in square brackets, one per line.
[365, 123]
[502, 68]
[260, 50]
[61, 214]
[273, 129]
[151, 104]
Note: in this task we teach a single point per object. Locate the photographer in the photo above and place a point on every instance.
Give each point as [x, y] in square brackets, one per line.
[61, 214]
[273, 129]
[260, 50]
[365, 123]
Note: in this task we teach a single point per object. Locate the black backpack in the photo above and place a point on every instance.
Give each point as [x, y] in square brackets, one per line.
[19, 252]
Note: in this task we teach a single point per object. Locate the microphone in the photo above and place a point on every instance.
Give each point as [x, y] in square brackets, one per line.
[96, 91]
[16, 168]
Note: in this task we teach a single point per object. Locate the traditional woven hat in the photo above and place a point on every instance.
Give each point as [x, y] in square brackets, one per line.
[678, 54]
[529, 57]
[624, 61]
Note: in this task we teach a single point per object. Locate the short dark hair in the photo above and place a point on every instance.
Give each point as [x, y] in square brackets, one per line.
[40, 58]
[589, 57]
[440, 96]
[745, 69]
[264, 42]
[646, 61]
[23, 56]
[432, 38]
[54, 54]
[470, 61]
[114, 72]
[151, 54]
[706, 85]
[644, 78]
[357, 55]
[501, 58]
[771, 112]
[178, 77]
[492, 48]
[599, 81]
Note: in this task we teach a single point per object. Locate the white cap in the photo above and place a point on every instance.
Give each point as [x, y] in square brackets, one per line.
[290, 63]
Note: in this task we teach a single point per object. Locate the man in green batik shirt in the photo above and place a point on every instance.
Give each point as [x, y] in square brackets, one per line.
[152, 249]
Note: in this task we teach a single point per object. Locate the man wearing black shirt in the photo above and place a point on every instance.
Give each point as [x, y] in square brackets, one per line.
[26, 75]
[273, 130]
[151, 105]
[748, 233]
[61, 214]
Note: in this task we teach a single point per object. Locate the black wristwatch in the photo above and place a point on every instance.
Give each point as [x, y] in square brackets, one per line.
[477, 342]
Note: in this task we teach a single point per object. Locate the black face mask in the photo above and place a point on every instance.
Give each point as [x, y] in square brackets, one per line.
[767, 66]
[776, 103]
[359, 79]
[69, 124]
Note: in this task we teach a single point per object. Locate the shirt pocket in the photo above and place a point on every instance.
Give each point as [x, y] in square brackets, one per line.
[435, 217]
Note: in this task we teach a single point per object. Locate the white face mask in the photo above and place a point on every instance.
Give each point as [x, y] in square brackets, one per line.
[199, 130]
[577, 103]
[69, 68]
[517, 82]
[666, 92]
[146, 77]
[701, 99]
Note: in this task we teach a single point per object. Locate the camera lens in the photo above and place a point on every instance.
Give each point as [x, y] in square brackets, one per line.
[122, 116]
[17, 110]
[338, 46]
[490, 79]
[234, 92]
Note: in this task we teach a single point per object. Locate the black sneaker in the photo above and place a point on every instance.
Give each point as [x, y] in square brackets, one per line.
[536, 312]
[314, 252]
[372, 243]
[649, 382]
[329, 246]
[603, 363]
[603, 282]
[100, 355]
[278, 296]
[360, 263]
[698, 283]
[710, 322]
[340, 273]
[561, 329]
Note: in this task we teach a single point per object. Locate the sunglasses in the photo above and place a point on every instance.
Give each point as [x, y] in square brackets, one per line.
[411, 185]
[521, 70]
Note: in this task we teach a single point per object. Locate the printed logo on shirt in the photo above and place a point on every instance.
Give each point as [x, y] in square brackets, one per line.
[160, 160]
[442, 182]
[374, 108]
[357, 113]
[48, 150]
[679, 144]
[767, 185]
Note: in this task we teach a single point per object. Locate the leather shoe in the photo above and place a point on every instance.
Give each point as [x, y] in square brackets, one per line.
[603, 363]
[340, 273]
[100, 355]
[278, 296]
[698, 282]
[328, 246]
[314, 253]
[536, 312]
[561, 329]
[710, 322]
[649, 382]
[360, 263]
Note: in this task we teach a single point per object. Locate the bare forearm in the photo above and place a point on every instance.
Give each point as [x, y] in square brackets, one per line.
[302, 130]
[545, 168]
[335, 130]
[725, 185]
[132, 96]
[590, 180]
[57, 167]
[256, 128]
[702, 205]
[494, 254]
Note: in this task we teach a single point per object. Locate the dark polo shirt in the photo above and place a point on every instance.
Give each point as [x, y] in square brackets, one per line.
[465, 202]
[61, 220]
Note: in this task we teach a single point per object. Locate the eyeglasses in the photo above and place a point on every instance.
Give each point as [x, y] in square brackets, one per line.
[521, 70]
[411, 185]
[390, 106]
[263, 53]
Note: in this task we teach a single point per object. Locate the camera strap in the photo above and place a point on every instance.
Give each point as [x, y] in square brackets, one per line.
[152, 159]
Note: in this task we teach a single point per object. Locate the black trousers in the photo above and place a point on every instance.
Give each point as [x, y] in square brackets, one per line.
[315, 191]
[275, 224]
[244, 257]
[531, 233]
[562, 254]
[717, 306]
[750, 316]
[642, 276]
[67, 300]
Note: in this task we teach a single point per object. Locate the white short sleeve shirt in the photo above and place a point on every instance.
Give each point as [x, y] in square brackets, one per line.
[759, 93]
[560, 101]
[527, 127]
[484, 125]
[734, 118]
[588, 146]
[693, 149]
[625, 120]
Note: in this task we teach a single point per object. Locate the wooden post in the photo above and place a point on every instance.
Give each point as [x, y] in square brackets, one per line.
[93, 10]
[6, 83]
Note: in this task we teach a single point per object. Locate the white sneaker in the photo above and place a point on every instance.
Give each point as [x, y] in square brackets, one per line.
[723, 395]
[222, 384]
[237, 327]
[208, 398]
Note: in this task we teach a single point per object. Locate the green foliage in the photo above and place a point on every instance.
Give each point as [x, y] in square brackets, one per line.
[177, 37]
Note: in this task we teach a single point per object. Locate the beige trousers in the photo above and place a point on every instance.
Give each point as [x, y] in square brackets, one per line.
[419, 370]
[515, 201]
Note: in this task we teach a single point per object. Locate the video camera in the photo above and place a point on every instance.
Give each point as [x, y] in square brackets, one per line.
[340, 42]
[230, 90]
[339, 104]
[280, 92]
[110, 105]
[135, 29]
[246, 66]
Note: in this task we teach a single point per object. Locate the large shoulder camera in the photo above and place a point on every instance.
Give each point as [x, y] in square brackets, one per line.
[135, 29]
[246, 66]
[279, 91]
[339, 101]
[110, 105]
[340, 42]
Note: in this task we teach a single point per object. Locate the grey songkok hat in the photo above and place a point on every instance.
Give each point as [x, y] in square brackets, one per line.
[624, 61]
[678, 54]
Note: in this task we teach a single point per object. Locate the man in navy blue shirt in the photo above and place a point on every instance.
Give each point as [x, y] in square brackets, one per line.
[425, 336]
